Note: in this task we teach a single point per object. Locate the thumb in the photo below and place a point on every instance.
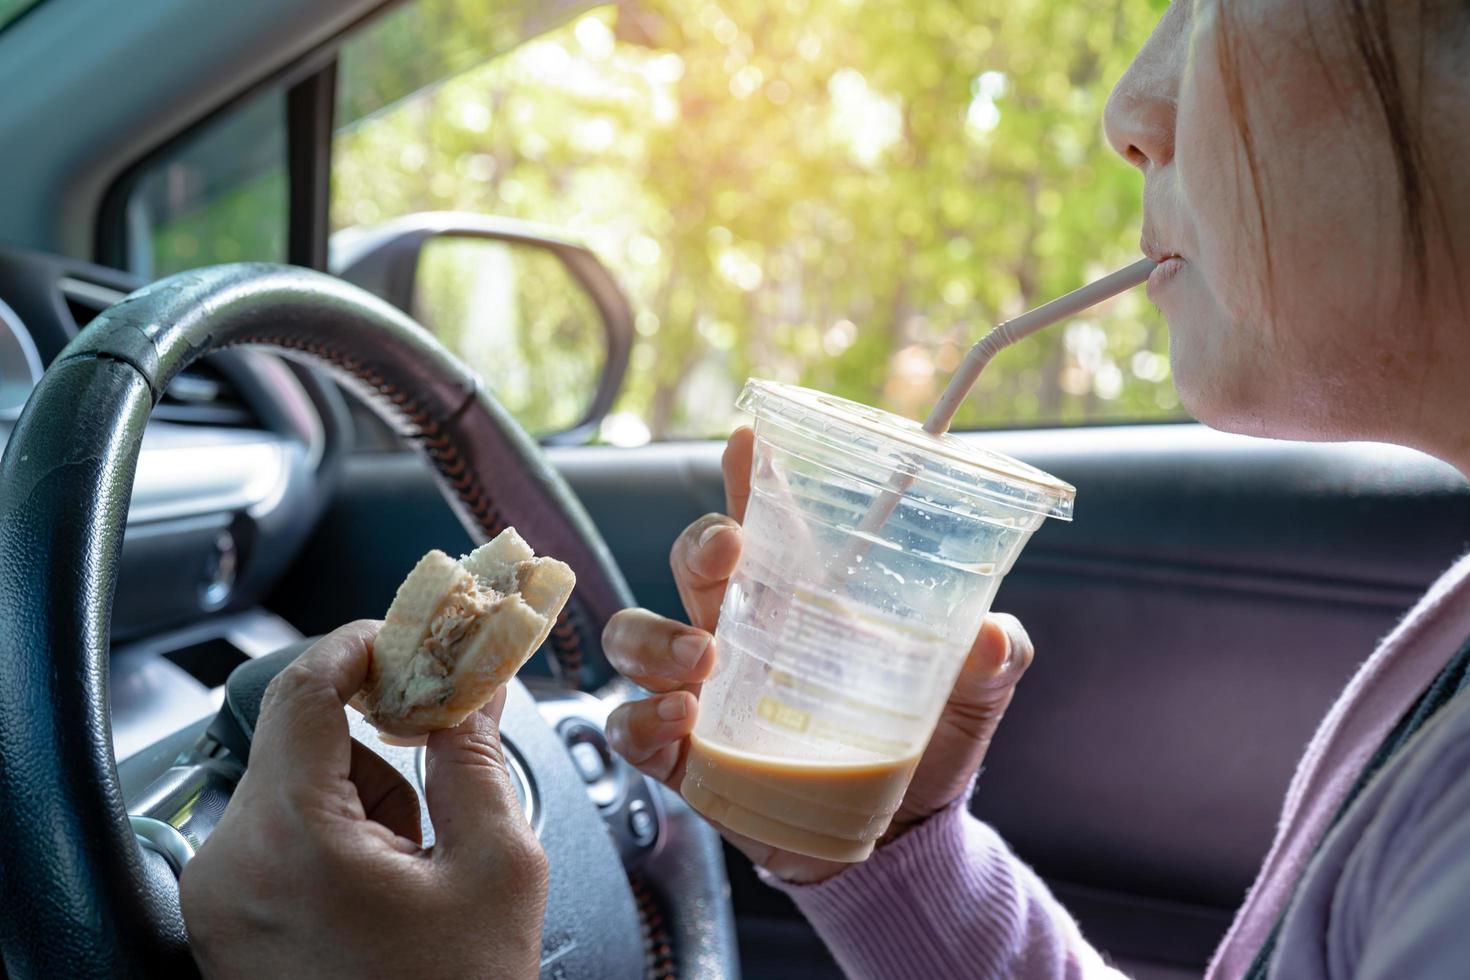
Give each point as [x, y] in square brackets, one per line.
[470, 791]
[981, 694]
[1000, 656]
[988, 679]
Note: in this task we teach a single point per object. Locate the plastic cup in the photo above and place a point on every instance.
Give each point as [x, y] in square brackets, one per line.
[837, 648]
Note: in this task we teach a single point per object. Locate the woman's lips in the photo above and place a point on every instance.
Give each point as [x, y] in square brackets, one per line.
[1168, 267]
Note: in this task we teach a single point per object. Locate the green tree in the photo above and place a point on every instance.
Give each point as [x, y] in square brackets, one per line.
[838, 193]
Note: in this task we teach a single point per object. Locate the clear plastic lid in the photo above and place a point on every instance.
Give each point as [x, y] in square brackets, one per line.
[944, 461]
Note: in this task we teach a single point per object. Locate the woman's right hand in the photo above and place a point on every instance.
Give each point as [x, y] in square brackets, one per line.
[317, 869]
[672, 659]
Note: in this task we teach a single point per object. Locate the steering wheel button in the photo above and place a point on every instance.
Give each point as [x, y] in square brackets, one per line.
[588, 761]
[642, 823]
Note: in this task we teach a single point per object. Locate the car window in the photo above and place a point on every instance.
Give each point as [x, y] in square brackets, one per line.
[219, 194]
[841, 194]
[10, 10]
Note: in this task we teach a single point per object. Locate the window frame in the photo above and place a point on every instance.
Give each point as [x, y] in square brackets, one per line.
[16, 18]
[309, 86]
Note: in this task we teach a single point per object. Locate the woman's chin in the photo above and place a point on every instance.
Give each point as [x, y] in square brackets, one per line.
[1207, 406]
[1216, 374]
[1237, 402]
[1222, 394]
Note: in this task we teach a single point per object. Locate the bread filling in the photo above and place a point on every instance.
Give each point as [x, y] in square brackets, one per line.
[456, 621]
[509, 580]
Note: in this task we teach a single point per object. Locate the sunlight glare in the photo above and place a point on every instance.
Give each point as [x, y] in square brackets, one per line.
[869, 122]
[747, 82]
[984, 114]
[625, 430]
[595, 37]
[474, 117]
[1108, 381]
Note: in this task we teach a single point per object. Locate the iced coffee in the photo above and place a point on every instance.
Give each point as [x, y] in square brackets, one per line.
[837, 648]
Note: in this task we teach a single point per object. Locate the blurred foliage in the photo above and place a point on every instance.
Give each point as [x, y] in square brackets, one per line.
[219, 195]
[515, 314]
[416, 45]
[839, 193]
[245, 222]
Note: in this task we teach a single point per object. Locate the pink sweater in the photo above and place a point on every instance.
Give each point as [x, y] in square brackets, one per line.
[949, 898]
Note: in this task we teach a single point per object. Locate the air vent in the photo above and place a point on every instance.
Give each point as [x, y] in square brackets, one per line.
[202, 396]
[84, 300]
[199, 395]
[81, 315]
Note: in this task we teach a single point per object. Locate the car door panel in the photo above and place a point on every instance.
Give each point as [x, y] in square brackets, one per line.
[1192, 626]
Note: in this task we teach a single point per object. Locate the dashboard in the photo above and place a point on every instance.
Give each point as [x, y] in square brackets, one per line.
[235, 466]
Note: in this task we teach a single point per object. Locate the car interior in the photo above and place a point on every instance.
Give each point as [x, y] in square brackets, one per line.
[227, 433]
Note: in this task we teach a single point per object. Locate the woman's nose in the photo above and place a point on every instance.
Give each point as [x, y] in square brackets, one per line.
[1139, 125]
[1140, 114]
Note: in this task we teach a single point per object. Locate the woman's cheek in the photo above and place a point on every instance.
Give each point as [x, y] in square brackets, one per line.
[1294, 249]
[1219, 330]
[1218, 194]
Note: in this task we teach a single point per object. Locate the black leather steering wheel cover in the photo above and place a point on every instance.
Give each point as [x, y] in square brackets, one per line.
[74, 895]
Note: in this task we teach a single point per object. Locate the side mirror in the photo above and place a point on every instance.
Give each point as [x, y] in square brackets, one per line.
[537, 314]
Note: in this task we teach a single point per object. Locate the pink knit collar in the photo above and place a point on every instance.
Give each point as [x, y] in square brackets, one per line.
[1378, 695]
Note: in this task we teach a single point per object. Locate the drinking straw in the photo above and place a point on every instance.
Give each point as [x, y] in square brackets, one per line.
[980, 355]
[1025, 325]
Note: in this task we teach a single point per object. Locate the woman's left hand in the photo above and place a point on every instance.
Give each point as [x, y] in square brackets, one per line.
[673, 659]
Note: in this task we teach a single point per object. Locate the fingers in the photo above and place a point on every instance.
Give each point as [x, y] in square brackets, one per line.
[736, 463]
[655, 652]
[666, 657]
[1005, 650]
[997, 661]
[301, 735]
[386, 796]
[471, 797]
[651, 734]
[703, 559]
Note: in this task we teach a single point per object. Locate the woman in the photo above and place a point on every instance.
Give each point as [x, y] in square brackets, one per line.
[1307, 196]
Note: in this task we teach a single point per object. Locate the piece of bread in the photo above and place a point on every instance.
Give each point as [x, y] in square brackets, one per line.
[457, 631]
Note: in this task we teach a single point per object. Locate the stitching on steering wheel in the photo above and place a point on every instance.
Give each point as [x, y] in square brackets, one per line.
[658, 945]
[566, 636]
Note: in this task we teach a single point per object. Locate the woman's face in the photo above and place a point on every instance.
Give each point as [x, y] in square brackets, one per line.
[1328, 339]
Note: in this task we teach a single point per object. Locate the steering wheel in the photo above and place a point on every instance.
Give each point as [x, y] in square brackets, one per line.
[88, 889]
